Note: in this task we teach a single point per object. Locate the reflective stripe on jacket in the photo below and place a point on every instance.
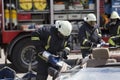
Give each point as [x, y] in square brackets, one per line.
[114, 29]
[88, 33]
[47, 39]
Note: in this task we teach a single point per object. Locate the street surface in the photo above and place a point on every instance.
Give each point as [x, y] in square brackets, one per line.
[2, 62]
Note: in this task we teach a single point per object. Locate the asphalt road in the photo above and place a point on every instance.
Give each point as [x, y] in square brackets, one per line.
[2, 63]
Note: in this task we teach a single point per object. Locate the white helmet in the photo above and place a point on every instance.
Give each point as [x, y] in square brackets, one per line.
[90, 17]
[64, 27]
[114, 15]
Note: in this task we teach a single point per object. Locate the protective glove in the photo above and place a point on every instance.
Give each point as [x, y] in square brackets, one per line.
[93, 44]
[98, 45]
[65, 52]
[90, 44]
[103, 43]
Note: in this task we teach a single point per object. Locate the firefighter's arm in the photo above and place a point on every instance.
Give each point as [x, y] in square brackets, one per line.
[118, 31]
[108, 25]
[36, 41]
[37, 37]
[88, 43]
[67, 48]
[99, 32]
[81, 34]
[116, 37]
[50, 58]
[100, 41]
[63, 54]
[83, 39]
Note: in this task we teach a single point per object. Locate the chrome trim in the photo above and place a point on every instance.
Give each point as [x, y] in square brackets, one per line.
[98, 12]
[3, 18]
[51, 12]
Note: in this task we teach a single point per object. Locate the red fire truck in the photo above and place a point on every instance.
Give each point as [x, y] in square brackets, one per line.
[17, 18]
[15, 41]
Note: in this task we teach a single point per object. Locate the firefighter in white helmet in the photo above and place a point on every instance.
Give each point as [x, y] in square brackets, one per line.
[49, 41]
[114, 29]
[89, 35]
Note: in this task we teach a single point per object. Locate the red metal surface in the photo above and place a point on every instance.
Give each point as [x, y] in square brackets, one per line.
[106, 38]
[0, 22]
[8, 36]
[0, 6]
[102, 6]
[24, 16]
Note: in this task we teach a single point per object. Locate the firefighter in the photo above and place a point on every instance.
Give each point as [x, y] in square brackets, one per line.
[89, 35]
[49, 41]
[114, 29]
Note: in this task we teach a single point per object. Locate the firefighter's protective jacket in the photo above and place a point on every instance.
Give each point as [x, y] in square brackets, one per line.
[88, 35]
[114, 29]
[46, 39]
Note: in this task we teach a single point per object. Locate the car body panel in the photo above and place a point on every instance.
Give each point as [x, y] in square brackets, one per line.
[106, 73]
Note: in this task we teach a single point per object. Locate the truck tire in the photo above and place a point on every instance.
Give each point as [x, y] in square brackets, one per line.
[0, 52]
[21, 55]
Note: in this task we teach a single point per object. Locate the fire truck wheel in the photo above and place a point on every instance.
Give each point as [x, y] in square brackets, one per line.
[22, 54]
[0, 51]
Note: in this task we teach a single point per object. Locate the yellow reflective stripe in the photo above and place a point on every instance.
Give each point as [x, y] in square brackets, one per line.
[35, 38]
[65, 44]
[118, 30]
[111, 41]
[87, 34]
[112, 37]
[98, 32]
[84, 41]
[116, 36]
[100, 35]
[42, 58]
[48, 43]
